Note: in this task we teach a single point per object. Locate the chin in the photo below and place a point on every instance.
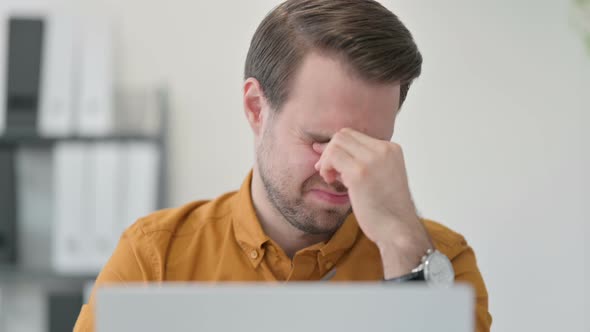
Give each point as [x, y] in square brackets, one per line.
[331, 220]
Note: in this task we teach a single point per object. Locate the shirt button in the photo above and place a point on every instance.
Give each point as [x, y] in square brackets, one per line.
[329, 265]
[253, 254]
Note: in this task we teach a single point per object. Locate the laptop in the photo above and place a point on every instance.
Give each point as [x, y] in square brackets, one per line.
[304, 307]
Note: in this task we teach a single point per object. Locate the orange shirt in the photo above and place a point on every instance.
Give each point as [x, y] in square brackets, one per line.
[222, 240]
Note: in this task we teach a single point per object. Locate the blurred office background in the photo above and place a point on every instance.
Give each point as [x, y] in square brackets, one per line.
[494, 132]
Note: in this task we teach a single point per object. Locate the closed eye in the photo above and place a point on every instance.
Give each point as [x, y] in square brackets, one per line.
[318, 138]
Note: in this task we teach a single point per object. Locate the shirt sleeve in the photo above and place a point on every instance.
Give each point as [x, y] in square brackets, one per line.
[464, 263]
[125, 265]
[466, 271]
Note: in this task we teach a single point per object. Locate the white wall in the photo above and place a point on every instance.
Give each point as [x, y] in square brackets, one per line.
[493, 131]
[199, 48]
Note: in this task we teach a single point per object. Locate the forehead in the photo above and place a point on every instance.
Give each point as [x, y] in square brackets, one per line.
[325, 96]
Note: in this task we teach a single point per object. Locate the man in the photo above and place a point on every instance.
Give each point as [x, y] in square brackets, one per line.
[324, 82]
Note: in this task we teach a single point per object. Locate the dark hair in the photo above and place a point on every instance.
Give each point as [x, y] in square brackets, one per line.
[370, 39]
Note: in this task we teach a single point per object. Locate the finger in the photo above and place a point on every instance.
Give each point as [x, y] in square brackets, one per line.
[319, 147]
[336, 163]
[366, 140]
[353, 146]
[347, 141]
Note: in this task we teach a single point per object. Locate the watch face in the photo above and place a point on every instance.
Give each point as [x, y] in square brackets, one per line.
[438, 270]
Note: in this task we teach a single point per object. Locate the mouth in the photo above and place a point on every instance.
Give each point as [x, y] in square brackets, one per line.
[336, 198]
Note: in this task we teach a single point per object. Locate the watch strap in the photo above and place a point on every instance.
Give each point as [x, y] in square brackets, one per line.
[417, 274]
[412, 276]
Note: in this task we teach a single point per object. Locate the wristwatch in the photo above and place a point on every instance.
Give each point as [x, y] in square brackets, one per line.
[435, 269]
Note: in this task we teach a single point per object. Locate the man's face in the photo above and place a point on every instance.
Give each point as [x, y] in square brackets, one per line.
[323, 99]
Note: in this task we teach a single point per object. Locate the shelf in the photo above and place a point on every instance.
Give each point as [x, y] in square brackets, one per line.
[14, 274]
[39, 140]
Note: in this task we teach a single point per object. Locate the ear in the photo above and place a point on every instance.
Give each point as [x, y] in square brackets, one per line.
[254, 105]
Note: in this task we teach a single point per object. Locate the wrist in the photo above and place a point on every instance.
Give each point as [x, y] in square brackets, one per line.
[435, 269]
[401, 253]
[401, 260]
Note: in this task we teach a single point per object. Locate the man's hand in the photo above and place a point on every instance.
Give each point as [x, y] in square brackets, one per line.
[375, 174]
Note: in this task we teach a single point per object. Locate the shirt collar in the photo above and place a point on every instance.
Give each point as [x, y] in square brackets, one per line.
[251, 236]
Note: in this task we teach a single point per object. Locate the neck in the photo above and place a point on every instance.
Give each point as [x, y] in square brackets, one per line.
[289, 238]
